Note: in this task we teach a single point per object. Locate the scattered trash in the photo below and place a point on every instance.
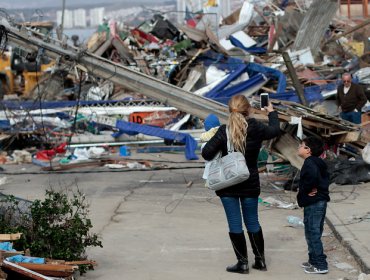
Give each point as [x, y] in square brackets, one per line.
[263, 202]
[115, 166]
[136, 165]
[280, 204]
[3, 180]
[189, 65]
[96, 152]
[22, 156]
[358, 218]
[295, 222]
[344, 266]
[151, 181]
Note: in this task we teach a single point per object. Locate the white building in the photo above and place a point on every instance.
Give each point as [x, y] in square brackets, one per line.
[68, 18]
[96, 16]
[79, 18]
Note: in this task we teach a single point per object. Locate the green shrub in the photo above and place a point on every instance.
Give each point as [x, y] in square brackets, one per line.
[57, 227]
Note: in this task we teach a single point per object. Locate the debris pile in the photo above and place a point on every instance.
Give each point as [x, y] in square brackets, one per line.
[155, 82]
[15, 264]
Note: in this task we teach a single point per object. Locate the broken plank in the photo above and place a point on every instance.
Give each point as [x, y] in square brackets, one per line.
[87, 262]
[15, 268]
[103, 47]
[287, 146]
[10, 236]
[365, 133]
[73, 165]
[55, 270]
[5, 254]
[352, 136]
[269, 90]
[123, 51]
[193, 78]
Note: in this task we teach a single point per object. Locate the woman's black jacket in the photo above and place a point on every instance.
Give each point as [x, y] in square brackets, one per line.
[256, 133]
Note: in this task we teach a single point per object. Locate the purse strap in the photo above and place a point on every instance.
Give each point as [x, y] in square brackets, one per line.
[230, 146]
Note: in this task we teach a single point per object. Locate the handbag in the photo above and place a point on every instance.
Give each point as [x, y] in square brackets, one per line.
[228, 170]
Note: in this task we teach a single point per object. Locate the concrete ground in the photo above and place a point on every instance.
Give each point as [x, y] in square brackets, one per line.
[164, 224]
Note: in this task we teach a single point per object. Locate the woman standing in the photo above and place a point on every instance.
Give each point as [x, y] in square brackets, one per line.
[240, 201]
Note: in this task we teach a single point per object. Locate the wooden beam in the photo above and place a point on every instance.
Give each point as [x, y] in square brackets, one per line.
[23, 271]
[55, 270]
[293, 75]
[266, 89]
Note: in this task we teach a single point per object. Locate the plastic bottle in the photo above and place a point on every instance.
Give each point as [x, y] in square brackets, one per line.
[295, 221]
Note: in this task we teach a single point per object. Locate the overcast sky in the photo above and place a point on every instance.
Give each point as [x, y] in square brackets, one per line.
[21, 4]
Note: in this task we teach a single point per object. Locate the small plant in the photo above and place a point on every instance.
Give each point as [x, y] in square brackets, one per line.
[57, 227]
[60, 227]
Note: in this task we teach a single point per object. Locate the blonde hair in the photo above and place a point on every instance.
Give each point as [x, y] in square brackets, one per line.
[239, 109]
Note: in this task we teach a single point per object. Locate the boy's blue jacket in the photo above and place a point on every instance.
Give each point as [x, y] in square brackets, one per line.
[314, 174]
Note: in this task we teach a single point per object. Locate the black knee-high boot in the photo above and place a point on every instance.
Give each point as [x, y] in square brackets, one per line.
[258, 246]
[240, 249]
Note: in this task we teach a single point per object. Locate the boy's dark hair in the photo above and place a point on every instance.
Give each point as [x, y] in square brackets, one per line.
[315, 144]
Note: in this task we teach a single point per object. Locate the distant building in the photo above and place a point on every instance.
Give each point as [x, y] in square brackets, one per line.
[79, 18]
[68, 18]
[219, 8]
[96, 16]
[191, 6]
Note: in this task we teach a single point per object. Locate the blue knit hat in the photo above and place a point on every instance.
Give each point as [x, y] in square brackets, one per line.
[211, 121]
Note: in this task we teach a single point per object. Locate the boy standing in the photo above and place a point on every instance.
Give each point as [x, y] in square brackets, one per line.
[313, 195]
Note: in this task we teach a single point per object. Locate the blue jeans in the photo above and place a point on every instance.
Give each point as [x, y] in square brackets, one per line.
[314, 216]
[354, 117]
[249, 209]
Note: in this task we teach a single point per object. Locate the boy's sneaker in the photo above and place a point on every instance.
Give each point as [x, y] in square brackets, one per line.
[315, 270]
[306, 265]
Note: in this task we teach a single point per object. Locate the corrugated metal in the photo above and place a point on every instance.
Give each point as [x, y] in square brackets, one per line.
[314, 24]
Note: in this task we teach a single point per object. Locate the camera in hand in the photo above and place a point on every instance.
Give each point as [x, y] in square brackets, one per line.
[264, 100]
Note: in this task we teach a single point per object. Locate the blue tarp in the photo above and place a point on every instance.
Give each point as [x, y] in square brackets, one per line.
[312, 93]
[5, 124]
[134, 128]
[6, 246]
[230, 64]
[24, 259]
[254, 69]
[239, 44]
[233, 75]
[292, 96]
[226, 94]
